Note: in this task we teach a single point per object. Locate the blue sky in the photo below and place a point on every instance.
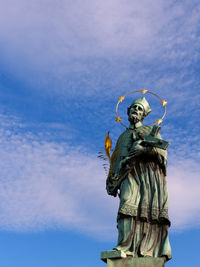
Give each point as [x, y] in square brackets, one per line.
[63, 66]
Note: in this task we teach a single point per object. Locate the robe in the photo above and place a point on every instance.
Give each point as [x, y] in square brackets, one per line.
[143, 210]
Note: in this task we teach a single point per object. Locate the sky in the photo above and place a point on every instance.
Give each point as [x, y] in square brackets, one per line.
[63, 66]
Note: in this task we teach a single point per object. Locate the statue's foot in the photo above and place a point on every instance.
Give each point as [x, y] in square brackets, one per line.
[131, 253]
[127, 252]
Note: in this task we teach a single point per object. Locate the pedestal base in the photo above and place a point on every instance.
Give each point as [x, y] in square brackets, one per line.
[112, 254]
[136, 262]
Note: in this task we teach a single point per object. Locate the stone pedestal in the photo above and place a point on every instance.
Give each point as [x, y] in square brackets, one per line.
[112, 254]
[119, 259]
[136, 262]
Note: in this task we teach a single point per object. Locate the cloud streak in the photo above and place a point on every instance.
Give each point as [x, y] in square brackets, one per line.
[48, 185]
[96, 26]
[55, 39]
[184, 184]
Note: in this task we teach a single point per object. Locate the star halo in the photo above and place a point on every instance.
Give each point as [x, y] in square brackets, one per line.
[143, 91]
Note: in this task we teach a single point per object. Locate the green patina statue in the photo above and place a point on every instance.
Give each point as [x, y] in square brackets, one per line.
[138, 177]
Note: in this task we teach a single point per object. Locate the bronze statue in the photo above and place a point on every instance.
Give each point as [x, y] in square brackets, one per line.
[138, 176]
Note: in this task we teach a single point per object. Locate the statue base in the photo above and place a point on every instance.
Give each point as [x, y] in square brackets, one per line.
[119, 259]
[112, 254]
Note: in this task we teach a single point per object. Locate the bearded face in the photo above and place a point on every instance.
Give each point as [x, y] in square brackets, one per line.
[136, 113]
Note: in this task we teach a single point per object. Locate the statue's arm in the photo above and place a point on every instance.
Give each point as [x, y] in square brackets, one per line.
[149, 145]
[114, 171]
[138, 149]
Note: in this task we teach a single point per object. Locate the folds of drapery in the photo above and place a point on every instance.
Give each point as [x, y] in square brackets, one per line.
[143, 211]
[143, 193]
[141, 239]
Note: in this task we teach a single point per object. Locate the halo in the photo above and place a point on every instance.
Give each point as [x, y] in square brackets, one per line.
[143, 91]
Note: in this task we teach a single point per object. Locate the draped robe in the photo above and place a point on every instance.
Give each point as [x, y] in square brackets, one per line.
[143, 210]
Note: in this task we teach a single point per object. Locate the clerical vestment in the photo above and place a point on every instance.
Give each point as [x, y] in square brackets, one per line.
[143, 210]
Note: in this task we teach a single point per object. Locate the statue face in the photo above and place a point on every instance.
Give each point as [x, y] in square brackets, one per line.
[136, 113]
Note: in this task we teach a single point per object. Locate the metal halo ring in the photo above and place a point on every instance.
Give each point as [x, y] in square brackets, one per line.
[143, 91]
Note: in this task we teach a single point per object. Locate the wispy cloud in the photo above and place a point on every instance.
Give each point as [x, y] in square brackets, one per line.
[59, 38]
[96, 26]
[53, 185]
[49, 185]
[184, 189]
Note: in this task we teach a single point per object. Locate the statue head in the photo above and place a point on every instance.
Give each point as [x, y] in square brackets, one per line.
[138, 110]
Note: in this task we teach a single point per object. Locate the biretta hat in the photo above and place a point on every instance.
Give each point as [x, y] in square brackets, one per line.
[142, 101]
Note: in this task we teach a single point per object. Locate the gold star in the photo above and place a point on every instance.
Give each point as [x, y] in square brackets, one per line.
[118, 119]
[164, 103]
[159, 121]
[121, 98]
[144, 91]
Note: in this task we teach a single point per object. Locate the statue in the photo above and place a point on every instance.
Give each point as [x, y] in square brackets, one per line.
[138, 176]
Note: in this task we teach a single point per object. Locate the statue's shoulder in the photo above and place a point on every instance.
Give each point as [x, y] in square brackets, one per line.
[145, 129]
[122, 136]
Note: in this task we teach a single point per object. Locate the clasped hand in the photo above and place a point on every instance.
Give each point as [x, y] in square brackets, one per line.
[137, 149]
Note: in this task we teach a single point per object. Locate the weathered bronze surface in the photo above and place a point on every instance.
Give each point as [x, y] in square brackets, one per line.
[138, 177]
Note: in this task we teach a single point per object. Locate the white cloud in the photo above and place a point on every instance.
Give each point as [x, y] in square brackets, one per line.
[184, 189]
[49, 185]
[52, 38]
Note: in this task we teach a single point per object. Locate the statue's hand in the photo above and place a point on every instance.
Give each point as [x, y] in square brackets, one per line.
[122, 163]
[137, 149]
